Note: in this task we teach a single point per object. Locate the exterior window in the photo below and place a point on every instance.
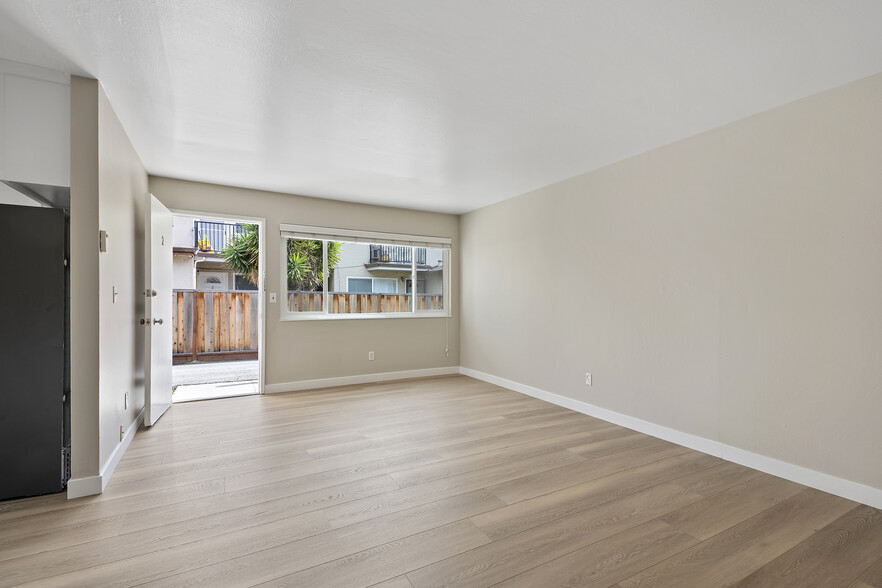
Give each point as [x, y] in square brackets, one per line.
[331, 275]
[359, 285]
[244, 284]
[421, 286]
[211, 280]
[430, 279]
[372, 285]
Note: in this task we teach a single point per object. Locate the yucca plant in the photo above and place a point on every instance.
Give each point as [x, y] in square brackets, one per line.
[305, 267]
[242, 253]
[304, 258]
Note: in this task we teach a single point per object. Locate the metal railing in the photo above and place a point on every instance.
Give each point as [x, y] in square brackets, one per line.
[397, 254]
[214, 236]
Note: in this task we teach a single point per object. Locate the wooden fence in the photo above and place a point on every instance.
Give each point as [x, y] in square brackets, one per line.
[214, 325]
[353, 303]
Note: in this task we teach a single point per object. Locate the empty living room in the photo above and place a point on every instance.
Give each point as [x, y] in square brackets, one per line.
[412, 293]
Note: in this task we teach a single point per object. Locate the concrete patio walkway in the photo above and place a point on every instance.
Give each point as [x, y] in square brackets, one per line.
[209, 380]
[193, 392]
[214, 372]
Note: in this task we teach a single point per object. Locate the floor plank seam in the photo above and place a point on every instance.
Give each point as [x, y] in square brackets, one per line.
[195, 519]
[403, 537]
[592, 479]
[471, 471]
[387, 481]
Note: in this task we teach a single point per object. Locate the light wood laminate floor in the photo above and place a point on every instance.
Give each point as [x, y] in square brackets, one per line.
[436, 482]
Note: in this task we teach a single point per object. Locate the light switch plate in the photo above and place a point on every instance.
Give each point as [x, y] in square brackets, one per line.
[272, 297]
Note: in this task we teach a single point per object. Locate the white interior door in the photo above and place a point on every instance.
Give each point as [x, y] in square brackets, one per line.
[158, 318]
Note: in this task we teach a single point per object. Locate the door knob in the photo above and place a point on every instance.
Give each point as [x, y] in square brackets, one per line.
[146, 321]
[157, 321]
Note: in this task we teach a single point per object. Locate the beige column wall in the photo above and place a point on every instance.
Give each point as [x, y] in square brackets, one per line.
[84, 348]
[108, 184]
[123, 185]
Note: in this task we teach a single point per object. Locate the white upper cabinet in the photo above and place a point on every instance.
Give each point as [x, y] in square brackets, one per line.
[34, 124]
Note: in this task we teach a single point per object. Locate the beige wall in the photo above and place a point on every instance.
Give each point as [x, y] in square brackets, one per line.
[727, 285]
[123, 184]
[183, 272]
[300, 350]
[84, 277]
[108, 184]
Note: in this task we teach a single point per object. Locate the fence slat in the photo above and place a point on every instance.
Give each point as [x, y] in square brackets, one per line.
[223, 324]
[240, 321]
[247, 329]
[200, 324]
[180, 322]
[189, 337]
[232, 319]
[175, 322]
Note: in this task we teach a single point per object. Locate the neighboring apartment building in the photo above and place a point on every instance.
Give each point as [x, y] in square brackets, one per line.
[363, 268]
[198, 263]
[386, 269]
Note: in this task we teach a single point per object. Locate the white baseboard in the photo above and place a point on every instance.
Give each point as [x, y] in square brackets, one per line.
[360, 379]
[862, 493]
[78, 487]
[808, 477]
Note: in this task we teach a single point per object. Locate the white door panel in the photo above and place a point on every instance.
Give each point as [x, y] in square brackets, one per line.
[158, 318]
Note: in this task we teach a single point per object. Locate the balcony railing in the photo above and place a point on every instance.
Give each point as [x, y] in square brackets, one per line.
[396, 254]
[215, 235]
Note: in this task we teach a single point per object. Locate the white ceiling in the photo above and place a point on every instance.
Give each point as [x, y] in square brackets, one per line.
[444, 105]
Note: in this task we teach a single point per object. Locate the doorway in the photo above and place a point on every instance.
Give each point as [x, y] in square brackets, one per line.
[217, 310]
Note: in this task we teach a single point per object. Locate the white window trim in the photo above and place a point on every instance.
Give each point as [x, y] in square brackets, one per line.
[353, 236]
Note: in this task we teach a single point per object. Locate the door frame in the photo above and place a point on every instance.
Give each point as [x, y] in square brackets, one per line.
[261, 279]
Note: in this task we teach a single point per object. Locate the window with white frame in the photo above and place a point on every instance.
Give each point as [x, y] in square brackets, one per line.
[340, 273]
[371, 285]
[421, 286]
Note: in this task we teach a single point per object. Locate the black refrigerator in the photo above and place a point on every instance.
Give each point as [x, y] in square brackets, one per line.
[34, 351]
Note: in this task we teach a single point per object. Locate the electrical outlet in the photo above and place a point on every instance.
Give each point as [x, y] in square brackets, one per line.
[122, 432]
[587, 378]
[370, 356]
